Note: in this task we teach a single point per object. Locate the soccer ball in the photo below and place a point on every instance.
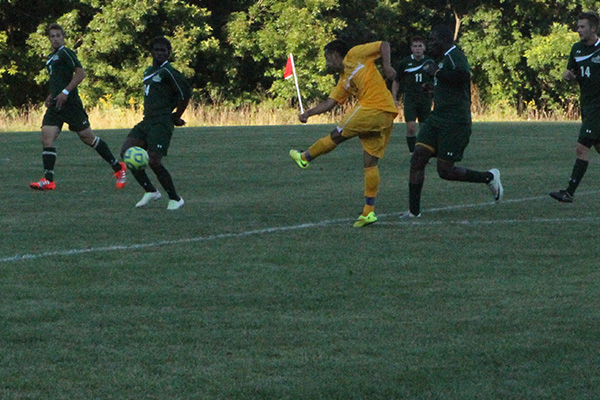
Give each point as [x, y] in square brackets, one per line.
[135, 158]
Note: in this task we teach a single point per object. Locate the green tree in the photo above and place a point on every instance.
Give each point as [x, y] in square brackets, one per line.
[271, 29]
[547, 56]
[114, 46]
[18, 18]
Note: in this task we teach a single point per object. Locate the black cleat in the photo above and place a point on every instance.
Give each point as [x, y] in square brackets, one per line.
[563, 196]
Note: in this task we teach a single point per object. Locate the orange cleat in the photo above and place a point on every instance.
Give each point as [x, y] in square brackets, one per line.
[121, 175]
[43, 184]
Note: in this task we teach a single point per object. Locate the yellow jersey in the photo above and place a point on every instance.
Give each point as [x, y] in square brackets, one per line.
[362, 80]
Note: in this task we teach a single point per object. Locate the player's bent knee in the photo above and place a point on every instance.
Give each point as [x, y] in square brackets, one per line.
[154, 161]
[419, 158]
[448, 172]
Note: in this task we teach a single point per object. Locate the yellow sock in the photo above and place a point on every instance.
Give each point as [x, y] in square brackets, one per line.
[371, 187]
[320, 147]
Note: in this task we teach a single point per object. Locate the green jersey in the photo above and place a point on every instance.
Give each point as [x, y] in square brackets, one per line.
[61, 65]
[411, 77]
[452, 88]
[584, 60]
[164, 87]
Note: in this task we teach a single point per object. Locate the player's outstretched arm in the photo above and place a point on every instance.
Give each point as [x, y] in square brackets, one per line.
[388, 70]
[321, 108]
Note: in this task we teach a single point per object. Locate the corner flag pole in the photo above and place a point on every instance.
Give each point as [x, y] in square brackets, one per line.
[290, 69]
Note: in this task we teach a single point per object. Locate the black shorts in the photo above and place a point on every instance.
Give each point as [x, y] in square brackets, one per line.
[447, 140]
[156, 132]
[72, 113]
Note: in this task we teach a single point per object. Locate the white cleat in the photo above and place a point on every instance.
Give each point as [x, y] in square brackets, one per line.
[175, 204]
[147, 198]
[408, 215]
[496, 186]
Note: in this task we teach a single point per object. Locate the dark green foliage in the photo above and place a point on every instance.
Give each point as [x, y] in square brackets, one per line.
[234, 51]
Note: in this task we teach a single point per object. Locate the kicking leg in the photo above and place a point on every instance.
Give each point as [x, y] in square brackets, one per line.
[322, 146]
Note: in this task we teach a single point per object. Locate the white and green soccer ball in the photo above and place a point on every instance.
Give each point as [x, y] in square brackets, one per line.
[135, 158]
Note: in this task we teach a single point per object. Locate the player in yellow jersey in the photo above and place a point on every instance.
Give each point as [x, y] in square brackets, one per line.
[371, 119]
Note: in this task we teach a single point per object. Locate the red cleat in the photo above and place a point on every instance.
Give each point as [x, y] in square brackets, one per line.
[120, 176]
[43, 184]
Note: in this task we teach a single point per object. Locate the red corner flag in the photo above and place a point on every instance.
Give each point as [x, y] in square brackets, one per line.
[289, 68]
[288, 72]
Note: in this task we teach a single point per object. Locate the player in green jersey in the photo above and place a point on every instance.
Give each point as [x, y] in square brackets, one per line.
[64, 106]
[165, 90]
[584, 67]
[445, 133]
[415, 85]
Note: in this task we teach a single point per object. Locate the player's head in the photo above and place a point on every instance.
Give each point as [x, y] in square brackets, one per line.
[337, 46]
[56, 35]
[587, 26]
[334, 55]
[160, 48]
[440, 40]
[417, 46]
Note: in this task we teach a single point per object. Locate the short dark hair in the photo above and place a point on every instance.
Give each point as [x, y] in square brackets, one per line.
[443, 33]
[591, 16]
[160, 40]
[337, 46]
[54, 27]
[417, 38]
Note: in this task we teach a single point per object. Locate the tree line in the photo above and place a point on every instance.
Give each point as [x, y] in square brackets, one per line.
[234, 51]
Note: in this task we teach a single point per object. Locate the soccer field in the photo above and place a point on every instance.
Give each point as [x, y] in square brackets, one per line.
[259, 287]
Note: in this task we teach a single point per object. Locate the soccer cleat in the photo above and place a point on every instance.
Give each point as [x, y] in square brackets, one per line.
[43, 184]
[175, 204]
[563, 196]
[147, 198]
[495, 185]
[297, 156]
[408, 214]
[365, 220]
[120, 176]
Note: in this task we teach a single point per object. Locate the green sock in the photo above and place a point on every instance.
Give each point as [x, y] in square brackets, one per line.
[414, 197]
[102, 149]
[410, 142]
[478, 177]
[578, 172]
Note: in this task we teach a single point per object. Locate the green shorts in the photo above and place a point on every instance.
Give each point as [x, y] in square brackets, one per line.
[447, 140]
[156, 132]
[590, 126]
[417, 107]
[72, 114]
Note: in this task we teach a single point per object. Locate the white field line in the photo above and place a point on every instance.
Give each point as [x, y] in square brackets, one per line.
[223, 236]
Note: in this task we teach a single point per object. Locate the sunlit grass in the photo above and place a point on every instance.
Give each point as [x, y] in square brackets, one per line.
[106, 115]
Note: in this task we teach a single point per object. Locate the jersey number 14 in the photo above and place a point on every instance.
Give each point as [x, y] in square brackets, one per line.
[585, 71]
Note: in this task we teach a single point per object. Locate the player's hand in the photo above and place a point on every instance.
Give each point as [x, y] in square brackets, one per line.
[427, 88]
[60, 100]
[569, 75]
[430, 68]
[49, 101]
[177, 121]
[304, 117]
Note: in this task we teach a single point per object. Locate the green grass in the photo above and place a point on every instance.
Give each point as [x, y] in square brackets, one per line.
[260, 289]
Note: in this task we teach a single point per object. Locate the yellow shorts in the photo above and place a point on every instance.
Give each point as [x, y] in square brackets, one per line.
[373, 128]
